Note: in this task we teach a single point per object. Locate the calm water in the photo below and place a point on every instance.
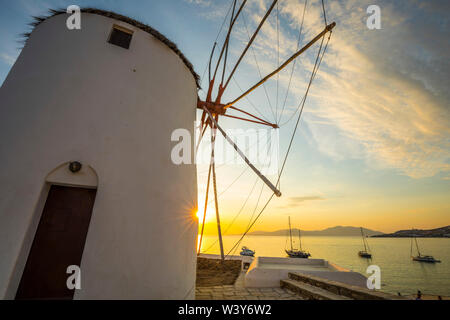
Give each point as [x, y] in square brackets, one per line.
[398, 272]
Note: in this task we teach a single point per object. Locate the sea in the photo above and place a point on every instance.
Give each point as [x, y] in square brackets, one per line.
[399, 273]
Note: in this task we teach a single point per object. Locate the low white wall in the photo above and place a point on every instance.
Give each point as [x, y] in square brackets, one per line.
[293, 261]
[259, 277]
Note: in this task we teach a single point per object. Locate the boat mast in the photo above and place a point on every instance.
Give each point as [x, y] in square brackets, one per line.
[300, 239]
[411, 247]
[290, 231]
[364, 241]
[417, 246]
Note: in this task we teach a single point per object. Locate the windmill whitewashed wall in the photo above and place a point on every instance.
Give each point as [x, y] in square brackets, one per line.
[70, 96]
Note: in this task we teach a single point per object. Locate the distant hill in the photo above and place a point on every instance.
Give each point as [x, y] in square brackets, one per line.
[340, 231]
[443, 232]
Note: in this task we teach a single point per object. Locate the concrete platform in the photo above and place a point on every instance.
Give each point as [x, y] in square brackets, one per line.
[267, 272]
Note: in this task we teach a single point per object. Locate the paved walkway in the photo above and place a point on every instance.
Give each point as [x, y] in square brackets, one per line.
[239, 292]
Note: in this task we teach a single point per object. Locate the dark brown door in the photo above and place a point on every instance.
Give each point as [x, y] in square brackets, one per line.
[58, 243]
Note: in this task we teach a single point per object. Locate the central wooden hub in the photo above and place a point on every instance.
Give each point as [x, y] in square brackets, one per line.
[215, 108]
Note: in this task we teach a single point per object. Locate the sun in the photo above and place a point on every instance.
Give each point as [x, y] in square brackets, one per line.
[200, 212]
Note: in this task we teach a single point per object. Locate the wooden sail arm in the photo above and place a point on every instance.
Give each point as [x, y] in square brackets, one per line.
[328, 28]
[213, 167]
[204, 211]
[255, 117]
[227, 39]
[250, 42]
[228, 43]
[275, 126]
[258, 173]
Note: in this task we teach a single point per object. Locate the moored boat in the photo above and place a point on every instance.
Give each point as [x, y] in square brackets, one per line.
[420, 257]
[296, 253]
[364, 253]
[247, 252]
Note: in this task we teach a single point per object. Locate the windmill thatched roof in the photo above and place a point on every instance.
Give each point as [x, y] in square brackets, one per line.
[172, 46]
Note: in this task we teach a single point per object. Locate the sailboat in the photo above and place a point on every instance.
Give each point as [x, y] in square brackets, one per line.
[420, 257]
[364, 253]
[247, 252]
[296, 253]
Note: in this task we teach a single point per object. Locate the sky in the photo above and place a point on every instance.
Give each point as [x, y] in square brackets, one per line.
[373, 144]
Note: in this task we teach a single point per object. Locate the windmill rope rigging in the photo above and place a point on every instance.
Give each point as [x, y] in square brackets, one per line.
[242, 173]
[236, 216]
[212, 109]
[256, 206]
[302, 103]
[278, 61]
[229, 161]
[212, 168]
[257, 66]
[251, 41]
[298, 107]
[228, 38]
[251, 225]
[217, 37]
[240, 210]
[254, 210]
[313, 73]
[251, 147]
[248, 99]
[241, 154]
[204, 213]
[324, 14]
[294, 63]
[228, 44]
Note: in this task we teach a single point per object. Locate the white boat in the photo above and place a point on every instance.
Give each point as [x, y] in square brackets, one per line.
[247, 252]
[425, 259]
[365, 253]
[420, 257]
[296, 253]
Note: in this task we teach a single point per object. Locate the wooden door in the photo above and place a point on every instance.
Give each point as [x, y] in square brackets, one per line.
[58, 243]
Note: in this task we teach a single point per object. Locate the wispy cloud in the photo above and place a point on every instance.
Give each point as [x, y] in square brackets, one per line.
[293, 202]
[296, 200]
[204, 3]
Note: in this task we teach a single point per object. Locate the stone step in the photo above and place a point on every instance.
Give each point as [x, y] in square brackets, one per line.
[309, 291]
[341, 289]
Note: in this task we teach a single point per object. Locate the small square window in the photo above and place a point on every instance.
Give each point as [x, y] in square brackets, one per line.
[120, 37]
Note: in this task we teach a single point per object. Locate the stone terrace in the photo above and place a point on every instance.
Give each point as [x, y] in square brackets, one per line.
[239, 292]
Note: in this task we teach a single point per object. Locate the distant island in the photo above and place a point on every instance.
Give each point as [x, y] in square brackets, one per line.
[443, 232]
[340, 231]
